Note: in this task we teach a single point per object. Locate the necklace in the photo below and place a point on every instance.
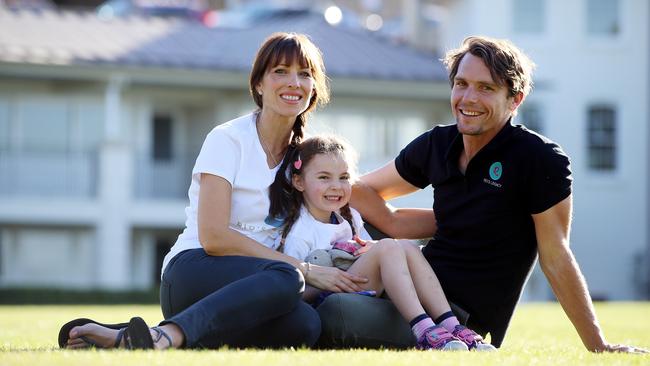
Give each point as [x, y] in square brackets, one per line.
[266, 149]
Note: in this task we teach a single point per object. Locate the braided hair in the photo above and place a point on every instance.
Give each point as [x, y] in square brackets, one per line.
[289, 48]
[286, 200]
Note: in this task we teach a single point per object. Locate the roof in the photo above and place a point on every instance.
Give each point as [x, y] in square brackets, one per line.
[51, 37]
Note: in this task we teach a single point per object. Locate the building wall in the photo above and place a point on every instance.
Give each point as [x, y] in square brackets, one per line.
[107, 223]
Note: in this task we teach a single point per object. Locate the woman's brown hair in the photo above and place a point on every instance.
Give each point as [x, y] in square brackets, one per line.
[290, 48]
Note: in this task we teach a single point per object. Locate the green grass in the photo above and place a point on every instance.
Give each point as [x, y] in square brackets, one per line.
[540, 334]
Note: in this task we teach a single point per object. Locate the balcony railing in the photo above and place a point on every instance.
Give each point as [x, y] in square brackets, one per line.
[48, 174]
[163, 179]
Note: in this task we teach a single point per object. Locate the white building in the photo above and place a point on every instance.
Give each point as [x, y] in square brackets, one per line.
[101, 120]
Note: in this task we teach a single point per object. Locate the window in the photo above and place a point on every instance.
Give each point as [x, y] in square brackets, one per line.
[406, 130]
[162, 138]
[161, 248]
[4, 126]
[56, 125]
[88, 128]
[376, 137]
[602, 138]
[53, 137]
[603, 17]
[45, 125]
[530, 116]
[528, 16]
[366, 133]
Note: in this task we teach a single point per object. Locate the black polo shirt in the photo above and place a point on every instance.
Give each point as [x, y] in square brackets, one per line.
[485, 245]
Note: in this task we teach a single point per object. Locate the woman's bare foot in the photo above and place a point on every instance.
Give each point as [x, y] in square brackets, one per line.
[101, 336]
[94, 334]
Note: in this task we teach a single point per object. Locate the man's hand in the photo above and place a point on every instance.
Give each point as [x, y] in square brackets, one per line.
[623, 349]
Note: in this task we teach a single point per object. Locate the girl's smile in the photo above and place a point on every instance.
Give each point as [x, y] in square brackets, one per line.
[325, 185]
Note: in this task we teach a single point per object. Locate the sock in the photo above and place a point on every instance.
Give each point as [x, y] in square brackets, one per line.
[448, 320]
[420, 324]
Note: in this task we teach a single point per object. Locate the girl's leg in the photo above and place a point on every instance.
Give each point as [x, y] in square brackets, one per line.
[426, 282]
[434, 300]
[385, 265]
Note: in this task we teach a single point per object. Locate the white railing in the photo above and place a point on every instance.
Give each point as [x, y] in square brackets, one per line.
[48, 174]
[162, 179]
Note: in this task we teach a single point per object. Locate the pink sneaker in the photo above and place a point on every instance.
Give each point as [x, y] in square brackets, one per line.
[439, 338]
[471, 339]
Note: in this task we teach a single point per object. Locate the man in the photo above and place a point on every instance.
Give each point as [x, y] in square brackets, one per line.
[502, 196]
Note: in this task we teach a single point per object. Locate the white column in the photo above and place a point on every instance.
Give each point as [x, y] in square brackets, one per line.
[412, 15]
[115, 185]
[114, 127]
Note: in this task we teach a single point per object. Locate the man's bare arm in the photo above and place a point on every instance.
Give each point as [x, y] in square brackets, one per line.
[552, 228]
[369, 197]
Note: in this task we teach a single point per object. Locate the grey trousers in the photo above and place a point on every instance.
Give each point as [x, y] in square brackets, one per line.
[356, 321]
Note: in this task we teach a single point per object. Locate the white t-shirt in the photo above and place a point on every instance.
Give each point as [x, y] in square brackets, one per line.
[308, 234]
[232, 151]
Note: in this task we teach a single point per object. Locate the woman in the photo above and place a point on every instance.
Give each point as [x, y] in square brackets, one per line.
[223, 281]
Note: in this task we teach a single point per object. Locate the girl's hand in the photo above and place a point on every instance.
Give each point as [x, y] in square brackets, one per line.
[333, 279]
[366, 245]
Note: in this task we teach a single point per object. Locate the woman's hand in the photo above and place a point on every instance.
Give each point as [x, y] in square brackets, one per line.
[333, 279]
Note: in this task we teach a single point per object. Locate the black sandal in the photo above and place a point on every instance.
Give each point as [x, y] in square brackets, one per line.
[64, 332]
[137, 335]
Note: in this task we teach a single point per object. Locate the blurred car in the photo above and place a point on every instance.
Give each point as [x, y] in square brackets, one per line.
[191, 9]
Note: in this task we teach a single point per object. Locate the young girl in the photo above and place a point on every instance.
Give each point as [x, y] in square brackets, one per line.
[317, 216]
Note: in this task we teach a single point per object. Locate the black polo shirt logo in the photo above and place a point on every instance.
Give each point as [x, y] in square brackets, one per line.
[495, 172]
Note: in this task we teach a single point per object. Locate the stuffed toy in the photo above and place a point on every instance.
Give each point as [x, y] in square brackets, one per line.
[340, 256]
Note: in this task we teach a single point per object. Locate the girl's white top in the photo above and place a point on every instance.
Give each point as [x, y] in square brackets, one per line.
[308, 234]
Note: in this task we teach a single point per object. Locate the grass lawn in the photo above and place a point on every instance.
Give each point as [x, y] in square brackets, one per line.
[540, 334]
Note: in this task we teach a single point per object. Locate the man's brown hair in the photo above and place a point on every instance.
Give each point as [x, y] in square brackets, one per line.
[508, 65]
